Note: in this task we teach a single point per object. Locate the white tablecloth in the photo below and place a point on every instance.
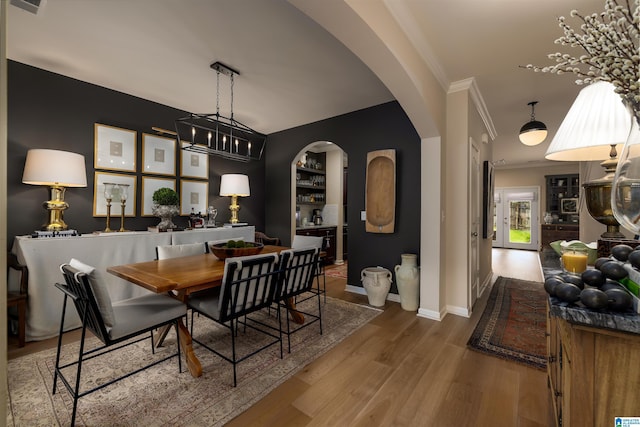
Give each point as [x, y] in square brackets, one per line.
[43, 256]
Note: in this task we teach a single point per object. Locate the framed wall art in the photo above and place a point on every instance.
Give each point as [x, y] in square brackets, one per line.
[99, 201]
[158, 155]
[149, 186]
[193, 165]
[193, 195]
[115, 148]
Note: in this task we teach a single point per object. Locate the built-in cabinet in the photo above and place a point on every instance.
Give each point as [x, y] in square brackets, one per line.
[563, 192]
[593, 373]
[311, 179]
[328, 243]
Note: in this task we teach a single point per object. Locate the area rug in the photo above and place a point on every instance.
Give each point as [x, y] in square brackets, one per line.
[513, 324]
[160, 396]
[339, 271]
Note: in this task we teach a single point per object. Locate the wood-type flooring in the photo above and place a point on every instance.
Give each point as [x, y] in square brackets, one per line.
[404, 370]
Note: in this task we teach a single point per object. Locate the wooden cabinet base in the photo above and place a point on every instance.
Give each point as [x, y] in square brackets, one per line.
[594, 374]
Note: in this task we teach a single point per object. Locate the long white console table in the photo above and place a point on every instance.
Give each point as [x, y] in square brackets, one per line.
[43, 256]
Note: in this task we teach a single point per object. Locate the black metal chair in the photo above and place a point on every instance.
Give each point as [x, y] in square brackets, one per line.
[299, 268]
[299, 242]
[112, 324]
[248, 285]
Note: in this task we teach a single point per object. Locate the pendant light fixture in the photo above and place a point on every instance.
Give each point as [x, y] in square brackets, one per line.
[533, 132]
[215, 134]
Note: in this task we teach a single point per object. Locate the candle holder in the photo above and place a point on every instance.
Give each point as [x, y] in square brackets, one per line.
[124, 188]
[108, 194]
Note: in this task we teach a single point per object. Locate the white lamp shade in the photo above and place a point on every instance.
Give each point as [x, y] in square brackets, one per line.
[596, 120]
[54, 167]
[234, 184]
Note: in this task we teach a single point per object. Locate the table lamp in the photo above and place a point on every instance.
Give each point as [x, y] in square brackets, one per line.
[57, 170]
[595, 128]
[234, 185]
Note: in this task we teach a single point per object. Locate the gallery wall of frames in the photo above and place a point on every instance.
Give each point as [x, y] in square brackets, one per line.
[113, 131]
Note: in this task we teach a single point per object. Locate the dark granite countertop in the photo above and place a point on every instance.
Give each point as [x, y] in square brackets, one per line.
[628, 321]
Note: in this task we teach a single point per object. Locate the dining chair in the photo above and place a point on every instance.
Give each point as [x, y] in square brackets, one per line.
[298, 273]
[249, 284]
[300, 242]
[116, 325]
[175, 251]
[18, 297]
[261, 237]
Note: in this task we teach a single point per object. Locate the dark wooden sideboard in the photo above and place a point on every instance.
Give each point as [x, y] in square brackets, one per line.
[552, 232]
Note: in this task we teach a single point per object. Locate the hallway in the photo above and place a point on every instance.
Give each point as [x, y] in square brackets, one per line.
[516, 263]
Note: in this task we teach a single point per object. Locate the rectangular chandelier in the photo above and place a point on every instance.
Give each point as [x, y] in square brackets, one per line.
[217, 135]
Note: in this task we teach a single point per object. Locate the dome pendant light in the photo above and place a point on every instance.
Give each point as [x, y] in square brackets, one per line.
[533, 132]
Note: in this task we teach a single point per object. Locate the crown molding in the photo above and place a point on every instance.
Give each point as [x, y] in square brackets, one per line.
[478, 101]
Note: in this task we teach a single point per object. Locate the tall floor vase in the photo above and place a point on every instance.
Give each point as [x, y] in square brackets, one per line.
[408, 282]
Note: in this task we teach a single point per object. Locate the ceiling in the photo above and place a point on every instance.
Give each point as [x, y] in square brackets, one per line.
[292, 71]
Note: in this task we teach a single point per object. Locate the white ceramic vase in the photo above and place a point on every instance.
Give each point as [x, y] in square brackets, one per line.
[408, 282]
[377, 282]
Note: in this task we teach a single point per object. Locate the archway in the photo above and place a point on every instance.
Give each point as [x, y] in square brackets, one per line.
[318, 195]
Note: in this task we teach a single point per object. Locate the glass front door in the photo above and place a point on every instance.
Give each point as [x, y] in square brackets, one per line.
[516, 218]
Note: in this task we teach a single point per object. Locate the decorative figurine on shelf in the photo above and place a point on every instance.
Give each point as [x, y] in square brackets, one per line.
[211, 216]
[165, 206]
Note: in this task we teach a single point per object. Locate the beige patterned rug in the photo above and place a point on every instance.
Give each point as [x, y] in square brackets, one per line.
[160, 396]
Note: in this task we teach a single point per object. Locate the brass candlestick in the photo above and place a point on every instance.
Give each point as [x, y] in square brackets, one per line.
[108, 194]
[123, 201]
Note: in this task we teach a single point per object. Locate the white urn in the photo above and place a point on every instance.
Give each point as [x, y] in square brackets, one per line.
[408, 282]
[377, 282]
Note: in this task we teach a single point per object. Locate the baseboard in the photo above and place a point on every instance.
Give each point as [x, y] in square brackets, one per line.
[458, 311]
[360, 290]
[432, 314]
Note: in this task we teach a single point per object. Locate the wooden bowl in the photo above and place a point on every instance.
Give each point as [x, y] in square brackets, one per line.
[221, 251]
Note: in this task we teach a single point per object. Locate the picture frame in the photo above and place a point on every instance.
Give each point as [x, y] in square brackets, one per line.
[158, 155]
[149, 186]
[193, 165]
[114, 148]
[100, 203]
[488, 205]
[193, 194]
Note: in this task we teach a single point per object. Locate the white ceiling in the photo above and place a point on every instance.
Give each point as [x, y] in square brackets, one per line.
[293, 72]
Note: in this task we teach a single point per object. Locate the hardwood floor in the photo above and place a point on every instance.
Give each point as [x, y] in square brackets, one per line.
[403, 370]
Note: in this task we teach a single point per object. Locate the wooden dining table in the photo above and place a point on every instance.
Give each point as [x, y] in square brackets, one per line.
[181, 277]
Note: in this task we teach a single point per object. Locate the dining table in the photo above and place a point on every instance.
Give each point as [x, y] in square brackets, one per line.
[180, 277]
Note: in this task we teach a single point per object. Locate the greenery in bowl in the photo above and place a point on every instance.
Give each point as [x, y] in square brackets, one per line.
[165, 196]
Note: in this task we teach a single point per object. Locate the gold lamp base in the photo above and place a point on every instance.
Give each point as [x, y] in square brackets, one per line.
[56, 207]
[234, 208]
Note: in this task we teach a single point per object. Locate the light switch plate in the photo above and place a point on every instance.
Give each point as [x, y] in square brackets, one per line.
[363, 215]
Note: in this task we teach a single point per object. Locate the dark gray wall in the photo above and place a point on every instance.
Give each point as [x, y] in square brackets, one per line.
[381, 127]
[47, 110]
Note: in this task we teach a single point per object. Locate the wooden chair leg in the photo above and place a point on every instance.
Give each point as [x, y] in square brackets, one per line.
[22, 320]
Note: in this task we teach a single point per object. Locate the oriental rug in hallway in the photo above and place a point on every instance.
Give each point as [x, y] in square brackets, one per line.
[160, 396]
[513, 324]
